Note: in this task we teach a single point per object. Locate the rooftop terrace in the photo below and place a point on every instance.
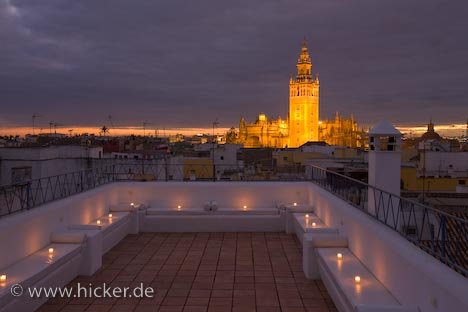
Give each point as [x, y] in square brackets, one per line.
[297, 243]
[206, 272]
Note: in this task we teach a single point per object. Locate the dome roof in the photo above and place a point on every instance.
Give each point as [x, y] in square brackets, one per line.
[430, 134]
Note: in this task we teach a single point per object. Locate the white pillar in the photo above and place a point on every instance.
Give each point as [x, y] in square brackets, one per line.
[384, 168]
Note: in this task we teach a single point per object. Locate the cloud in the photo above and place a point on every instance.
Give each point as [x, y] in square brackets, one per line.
[181, 63]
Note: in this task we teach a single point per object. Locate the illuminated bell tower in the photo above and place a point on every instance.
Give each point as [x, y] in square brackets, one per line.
[303, 102]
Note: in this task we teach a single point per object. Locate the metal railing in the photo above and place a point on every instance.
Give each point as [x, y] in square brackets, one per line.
[160, 171]
[29, 194]
[32, 193]
[443, 235]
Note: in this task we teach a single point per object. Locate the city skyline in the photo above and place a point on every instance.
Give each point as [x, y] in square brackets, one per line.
[73, 68]
[445, 130]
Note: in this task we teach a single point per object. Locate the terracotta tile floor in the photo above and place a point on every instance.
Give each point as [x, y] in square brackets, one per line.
[205, 272]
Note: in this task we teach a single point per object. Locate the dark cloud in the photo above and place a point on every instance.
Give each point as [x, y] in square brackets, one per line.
[185, 63]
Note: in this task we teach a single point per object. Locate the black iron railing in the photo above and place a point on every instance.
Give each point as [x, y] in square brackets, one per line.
[29, 194]
[443, 235]
[32, 193]
[161, 171]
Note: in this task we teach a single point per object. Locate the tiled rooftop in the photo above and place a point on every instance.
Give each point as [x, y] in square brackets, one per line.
[205, 272]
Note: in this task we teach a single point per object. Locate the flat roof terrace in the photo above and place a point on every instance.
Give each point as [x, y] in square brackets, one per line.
[205, 272]
[373, 250]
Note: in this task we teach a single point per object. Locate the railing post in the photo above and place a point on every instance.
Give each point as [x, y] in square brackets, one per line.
[28, 195]
[81, 181]
[443, 228]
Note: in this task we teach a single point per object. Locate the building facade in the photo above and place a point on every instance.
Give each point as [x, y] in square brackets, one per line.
[264, 132]
[342, 131]
[302, 124]
[303, 102]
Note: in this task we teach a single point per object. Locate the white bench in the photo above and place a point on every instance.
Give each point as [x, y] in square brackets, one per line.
[313, 233]
[312, 224]
[368, 295]
[220, 220]
[290, 210]
[43, 269]
[76, 251]
[102, 236]
[313, 241]
[122, 207]
[218, 211]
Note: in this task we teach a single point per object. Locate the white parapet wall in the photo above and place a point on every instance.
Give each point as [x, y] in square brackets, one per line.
[24, 233]
[412, 276]
[189, 195]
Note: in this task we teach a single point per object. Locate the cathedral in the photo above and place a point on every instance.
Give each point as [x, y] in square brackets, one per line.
[302, 124]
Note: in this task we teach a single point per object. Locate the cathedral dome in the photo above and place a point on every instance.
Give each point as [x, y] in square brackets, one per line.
[430, 134]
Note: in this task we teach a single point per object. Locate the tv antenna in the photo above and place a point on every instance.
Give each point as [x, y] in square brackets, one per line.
[34, 117]
[110, 120]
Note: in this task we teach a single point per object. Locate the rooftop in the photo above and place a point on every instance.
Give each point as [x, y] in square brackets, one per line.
[324, 243]
[206, 272]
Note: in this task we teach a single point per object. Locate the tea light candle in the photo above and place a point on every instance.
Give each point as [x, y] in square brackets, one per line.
[51, 250]
[295, 204]
[132, 204]
[339, 256]
[3, 278]
[110, 215]
[179, 207]
[98, 222]
[357, 279]
[307, 216]
[314, 224]
[245, 207]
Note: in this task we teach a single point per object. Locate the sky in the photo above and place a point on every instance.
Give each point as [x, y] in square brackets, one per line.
[187, 63]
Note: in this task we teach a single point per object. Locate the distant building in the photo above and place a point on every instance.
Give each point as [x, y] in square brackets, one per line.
[437, 164]
[302, 124]
[303, 102]
[21, 164]
[342, 131]
[263, 132]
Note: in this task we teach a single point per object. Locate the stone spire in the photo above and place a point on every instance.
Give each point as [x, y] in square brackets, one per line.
[304, 64]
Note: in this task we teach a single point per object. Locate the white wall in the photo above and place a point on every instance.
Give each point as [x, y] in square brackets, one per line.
[414, 277]
[227, 194]
[445, 163]
[24, 233]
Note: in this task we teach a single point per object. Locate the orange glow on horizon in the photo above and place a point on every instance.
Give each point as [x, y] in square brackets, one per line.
[455, 129]
[120, 131]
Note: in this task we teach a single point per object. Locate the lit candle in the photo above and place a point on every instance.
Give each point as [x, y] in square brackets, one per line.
[357, 279]
[98, 221]
[314, 224]
[339, 256]
[110, 215]
[295, 204]
[51, 250]
[245, 207]
[179, 207]
[132, 204]
[3, 278]
[307, 216]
